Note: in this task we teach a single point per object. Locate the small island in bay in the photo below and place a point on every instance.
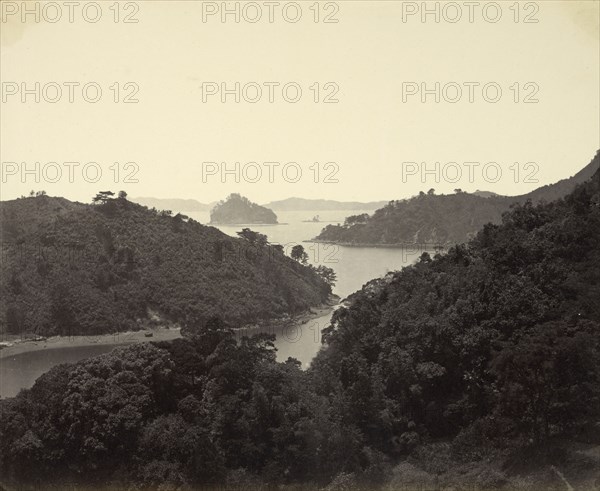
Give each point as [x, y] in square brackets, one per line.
[314, 219]
[237, 209]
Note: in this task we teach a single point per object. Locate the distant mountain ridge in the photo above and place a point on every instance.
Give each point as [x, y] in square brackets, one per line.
[289, 204]
[302, 204]
[174, 204]
[548, 192]
[441, 219]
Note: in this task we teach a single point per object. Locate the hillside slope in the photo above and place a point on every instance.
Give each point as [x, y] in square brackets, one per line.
[444, 219]
[482, 364]
[69, 268]
[476, 369]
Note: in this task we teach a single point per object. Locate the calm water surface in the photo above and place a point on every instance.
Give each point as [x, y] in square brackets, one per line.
[354, 267]
[20, 371]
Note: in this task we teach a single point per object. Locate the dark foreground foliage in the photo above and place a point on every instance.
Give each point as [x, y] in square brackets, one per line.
[494, 345]
[504, 327]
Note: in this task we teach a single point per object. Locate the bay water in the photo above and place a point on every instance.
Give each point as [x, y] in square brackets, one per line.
[354, 266]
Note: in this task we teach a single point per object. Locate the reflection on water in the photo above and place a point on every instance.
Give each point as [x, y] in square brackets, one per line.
[354, 267]
[300, 341]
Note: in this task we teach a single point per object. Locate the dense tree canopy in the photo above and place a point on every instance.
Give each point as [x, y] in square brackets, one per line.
[495, 344]
[72, 268]
[503, 327]
[440, 219]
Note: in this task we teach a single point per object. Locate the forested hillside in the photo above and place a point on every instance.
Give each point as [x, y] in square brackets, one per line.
[476, 369]
[494, 345]
[237, 209]
[70, 268]
[444, 219]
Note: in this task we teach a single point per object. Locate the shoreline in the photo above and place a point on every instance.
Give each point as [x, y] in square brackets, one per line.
[299, 320]
[80, 341]
[243, 224]
[158, 334]
[427, 247]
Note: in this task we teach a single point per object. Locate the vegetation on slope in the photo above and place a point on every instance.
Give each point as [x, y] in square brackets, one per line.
[69, 268]
[237, 209]
[488, 353]
[425, 219]
[505, 327]
[444, 219]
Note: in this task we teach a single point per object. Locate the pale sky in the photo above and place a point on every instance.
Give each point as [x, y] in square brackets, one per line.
[368, 54]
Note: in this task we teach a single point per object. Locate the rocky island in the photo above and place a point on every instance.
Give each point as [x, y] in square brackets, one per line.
[237, 209]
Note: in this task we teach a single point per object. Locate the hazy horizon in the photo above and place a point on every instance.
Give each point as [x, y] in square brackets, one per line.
[133, 198]
[369, 61]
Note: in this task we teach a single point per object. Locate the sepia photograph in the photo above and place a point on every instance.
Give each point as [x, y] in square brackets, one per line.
[276, 245]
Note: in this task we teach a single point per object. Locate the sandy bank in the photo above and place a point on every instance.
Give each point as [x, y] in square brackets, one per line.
[158, 334]
[122, 338]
